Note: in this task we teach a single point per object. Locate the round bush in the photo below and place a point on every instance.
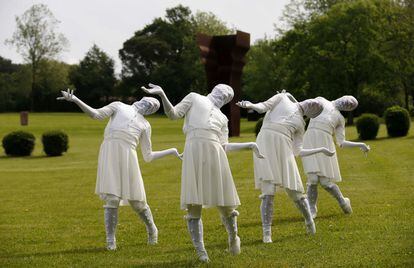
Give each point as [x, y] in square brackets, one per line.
[19, 143]
[55, 143]
[397, 120]
[367, 126]
[258, 126]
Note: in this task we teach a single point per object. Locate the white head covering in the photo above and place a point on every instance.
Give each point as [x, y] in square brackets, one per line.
[147, 105]
[221, 95]
[311, 107]
[346, 103]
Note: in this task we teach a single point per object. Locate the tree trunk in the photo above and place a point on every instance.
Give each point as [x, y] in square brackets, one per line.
[32, 92]
[406, 96]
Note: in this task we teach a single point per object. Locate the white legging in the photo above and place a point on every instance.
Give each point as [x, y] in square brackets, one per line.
[194, 211]
[269, 188]
[314, 179]
[112, 201]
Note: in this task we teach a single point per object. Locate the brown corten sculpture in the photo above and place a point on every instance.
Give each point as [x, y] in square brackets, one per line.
[223, 57]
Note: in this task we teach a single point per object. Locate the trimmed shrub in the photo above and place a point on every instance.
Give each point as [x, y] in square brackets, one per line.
[258, 126]
[367, 126]
[19, 143]
[55, 143]
[411, 111]
[397, 121]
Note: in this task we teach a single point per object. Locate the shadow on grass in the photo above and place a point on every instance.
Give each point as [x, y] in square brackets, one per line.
[385, 138]
[183, 263]
[24, 157]
[69, 251]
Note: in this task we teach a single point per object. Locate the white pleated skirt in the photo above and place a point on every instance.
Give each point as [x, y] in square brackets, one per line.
[118, 169]
[206, 176]
[321, 164]
[279, 165]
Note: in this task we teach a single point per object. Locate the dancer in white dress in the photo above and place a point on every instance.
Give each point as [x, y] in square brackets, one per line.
[280, 138]
[322, 169]
[119, 177]
[206, 179]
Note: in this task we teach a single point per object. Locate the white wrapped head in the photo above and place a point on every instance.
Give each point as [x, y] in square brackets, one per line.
[147, 105]
[221, 95]
[346, 103]
[311, 107]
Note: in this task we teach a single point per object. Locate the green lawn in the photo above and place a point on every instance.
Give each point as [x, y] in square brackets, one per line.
[49, 215]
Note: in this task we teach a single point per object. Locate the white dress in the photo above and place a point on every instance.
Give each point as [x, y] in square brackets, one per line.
[320, 134]
[206, 177]
[279, 140]
[118, 170]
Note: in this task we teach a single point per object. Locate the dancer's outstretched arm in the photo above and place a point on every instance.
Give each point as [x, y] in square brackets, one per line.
[298, 149]
[98, 114]
[340, 139]
[260, 107]
[146, 148]
[173, 112]
[245, 145]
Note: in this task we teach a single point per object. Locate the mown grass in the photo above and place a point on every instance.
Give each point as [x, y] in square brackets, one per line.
[49, 215]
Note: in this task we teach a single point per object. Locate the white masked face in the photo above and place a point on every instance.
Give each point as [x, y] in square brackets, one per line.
[221, 95]
[147, 105]
[311, 107]
[346, 103]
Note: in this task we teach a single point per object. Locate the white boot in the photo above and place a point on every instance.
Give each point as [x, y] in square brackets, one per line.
[152, 231]
[303, 205]
[231, 226]
[266, 209]
[312, 193]
[195, 228]
[344, 202]
[111, 220]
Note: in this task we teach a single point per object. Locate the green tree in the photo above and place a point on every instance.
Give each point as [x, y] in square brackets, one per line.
[94, 78]
[340, 52]
[36, 38]
[14, 85]
[209, 23]
[399, 46]
[53, 77]
[163, 52]
[263, 75]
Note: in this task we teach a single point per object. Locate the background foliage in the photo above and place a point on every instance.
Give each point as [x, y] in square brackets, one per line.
[322, 47]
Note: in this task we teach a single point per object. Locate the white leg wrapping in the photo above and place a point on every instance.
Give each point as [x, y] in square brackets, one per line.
[312, 193]
[111, 220]
[230, 222]
[344, 202]
[303, 206]
[195, 228]
[266, 210]
[144, 212]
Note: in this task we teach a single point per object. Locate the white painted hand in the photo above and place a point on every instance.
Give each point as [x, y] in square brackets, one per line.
[67, 95]
[256, 151]
[245, 104]
[365, 148]
[177, 154]
[327, 152]
[153, 89]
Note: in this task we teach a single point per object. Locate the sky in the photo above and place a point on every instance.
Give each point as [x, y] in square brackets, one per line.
[109, 23]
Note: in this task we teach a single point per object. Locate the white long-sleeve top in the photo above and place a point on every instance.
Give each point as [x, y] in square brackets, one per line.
[330, 120]
[200, 113]
[281, 110]
[125, 122]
